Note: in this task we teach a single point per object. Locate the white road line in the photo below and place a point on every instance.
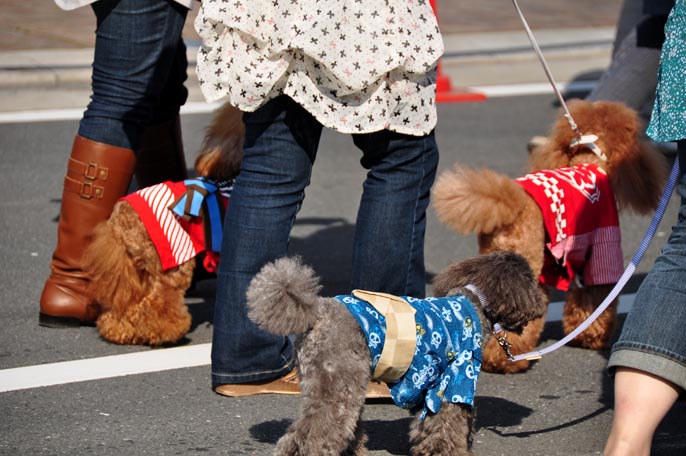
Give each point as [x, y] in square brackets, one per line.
[496, 91]
[105, 367]
[514, 90]
[42, 375]
[50, 115]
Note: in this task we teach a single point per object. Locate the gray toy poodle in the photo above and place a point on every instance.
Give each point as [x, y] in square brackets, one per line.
[427, 351]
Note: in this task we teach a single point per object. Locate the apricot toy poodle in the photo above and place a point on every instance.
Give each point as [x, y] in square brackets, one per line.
[562, 216]
[142, 260]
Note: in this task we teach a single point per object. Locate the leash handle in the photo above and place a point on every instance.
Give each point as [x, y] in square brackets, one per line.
[638, 256]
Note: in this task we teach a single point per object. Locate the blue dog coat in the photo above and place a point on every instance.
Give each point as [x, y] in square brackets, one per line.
[447, 360]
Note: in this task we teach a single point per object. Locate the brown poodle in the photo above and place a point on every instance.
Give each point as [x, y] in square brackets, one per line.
[428, 351]
[140, 291]
[625, 173]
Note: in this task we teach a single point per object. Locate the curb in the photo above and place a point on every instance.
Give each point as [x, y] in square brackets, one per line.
[68, 68]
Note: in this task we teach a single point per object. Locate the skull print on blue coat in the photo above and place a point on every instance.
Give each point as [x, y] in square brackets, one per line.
[447, 360]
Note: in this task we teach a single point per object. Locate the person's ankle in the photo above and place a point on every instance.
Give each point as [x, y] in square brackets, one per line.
[625, 447]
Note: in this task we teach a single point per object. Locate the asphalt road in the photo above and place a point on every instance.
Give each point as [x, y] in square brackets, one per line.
[561, 406]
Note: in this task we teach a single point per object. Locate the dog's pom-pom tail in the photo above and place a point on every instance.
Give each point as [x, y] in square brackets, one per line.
[222, 149]
[477, 201]
[283, 297]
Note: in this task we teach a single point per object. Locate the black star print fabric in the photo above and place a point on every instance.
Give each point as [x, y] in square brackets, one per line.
[357, 65]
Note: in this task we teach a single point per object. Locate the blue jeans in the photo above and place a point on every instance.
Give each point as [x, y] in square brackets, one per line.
[653, 338]
[388, 254]
[139, 69]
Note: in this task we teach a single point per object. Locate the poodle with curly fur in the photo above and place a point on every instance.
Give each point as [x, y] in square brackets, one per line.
[428, 351]
[562, 216]
[142, 259]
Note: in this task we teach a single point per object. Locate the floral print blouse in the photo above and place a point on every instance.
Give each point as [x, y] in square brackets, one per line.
[668, 121]
[358, 66]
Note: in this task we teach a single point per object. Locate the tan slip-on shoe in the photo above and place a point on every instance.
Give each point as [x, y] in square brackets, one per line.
[378, 390]
[288, 384]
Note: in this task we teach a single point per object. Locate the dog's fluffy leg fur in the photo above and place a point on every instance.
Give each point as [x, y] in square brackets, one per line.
[449, 432]
[333, 358]
[333, 389]
[140, 304]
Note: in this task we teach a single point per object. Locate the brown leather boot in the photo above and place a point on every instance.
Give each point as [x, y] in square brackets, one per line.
[160, 157]
[97, 176]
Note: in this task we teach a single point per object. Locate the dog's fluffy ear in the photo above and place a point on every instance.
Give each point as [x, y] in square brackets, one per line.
[507, 282]
[637, 171]
[637, 177]
[222, 149]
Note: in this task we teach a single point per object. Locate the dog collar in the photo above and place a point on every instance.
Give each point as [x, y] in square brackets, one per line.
[589, 142]
[498, 331]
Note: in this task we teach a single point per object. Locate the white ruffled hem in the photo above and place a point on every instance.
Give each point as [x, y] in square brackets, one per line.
[389, 84]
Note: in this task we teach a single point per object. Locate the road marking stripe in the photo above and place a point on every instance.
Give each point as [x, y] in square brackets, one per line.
[515, 90]
[42, 375]
[104, 367]
[49, 115]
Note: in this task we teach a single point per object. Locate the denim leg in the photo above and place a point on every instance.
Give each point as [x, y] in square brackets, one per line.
[139, 69]
[173, 94]
[652, 337]
[280, 148]
[388, 248]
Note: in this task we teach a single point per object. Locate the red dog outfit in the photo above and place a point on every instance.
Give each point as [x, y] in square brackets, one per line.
[582, 225]
[181, 219]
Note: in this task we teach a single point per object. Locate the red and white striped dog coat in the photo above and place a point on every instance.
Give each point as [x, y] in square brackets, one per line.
[183, 219]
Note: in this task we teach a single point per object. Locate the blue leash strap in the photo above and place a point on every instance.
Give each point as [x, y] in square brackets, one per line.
[661, 208]
[200, 200]
[628, 272]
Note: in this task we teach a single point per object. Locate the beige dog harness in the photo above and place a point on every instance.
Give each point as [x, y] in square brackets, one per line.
[401, 334]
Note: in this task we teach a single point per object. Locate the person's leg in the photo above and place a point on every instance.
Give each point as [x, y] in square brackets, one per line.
[641, 401]
[630, 15]
[132, 38]
[136, 54]
[388, 250]
[160, 154]
[631, 77]
[280, 147]
[650, 354]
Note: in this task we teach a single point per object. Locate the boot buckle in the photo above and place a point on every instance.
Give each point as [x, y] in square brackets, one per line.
[93, 172]
[88, 190]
